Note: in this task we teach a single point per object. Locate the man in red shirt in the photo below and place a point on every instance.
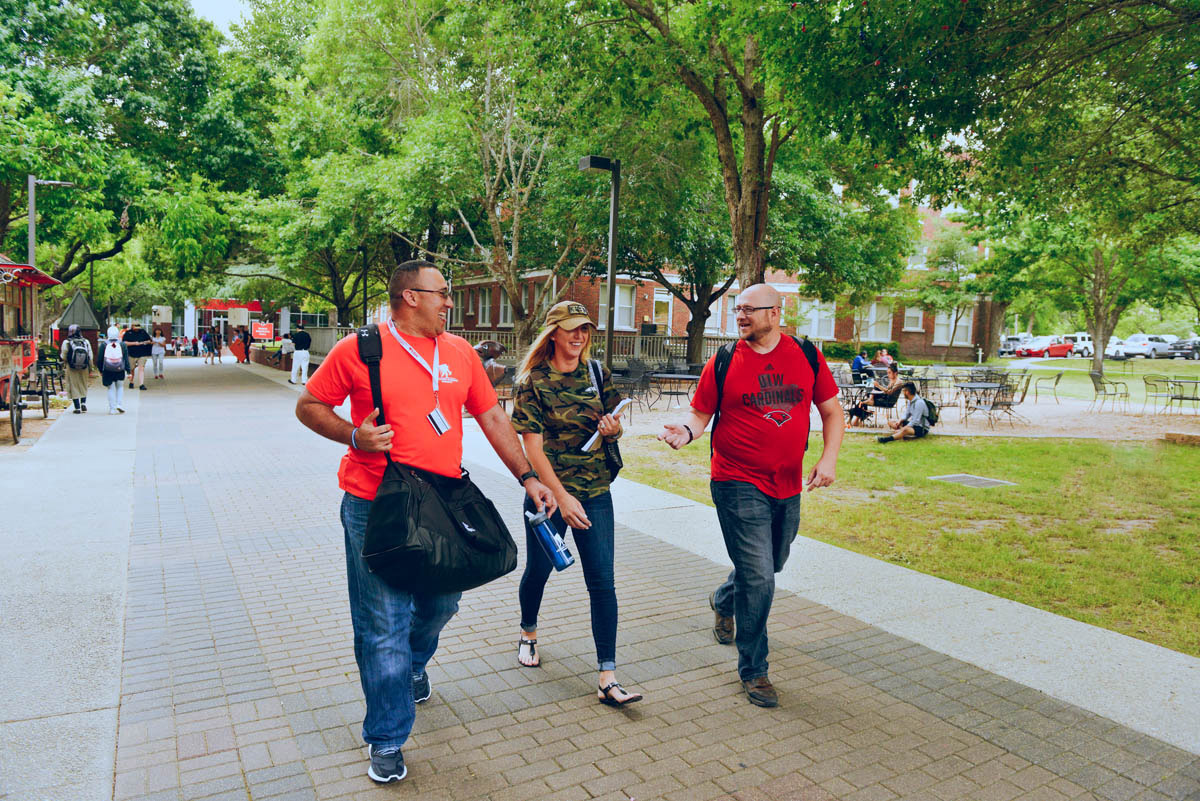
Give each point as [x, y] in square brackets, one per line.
[427, 376]
[758, 468]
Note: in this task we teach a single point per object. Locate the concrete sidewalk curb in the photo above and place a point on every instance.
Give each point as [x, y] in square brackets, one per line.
[1148, 688]
[64, 553]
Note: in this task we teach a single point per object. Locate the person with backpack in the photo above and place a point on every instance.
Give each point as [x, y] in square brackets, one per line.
[114, 365]
[140, 346]
[562, 399]
[758, 393]
[917, 421]
[426, 378]
[76, 354]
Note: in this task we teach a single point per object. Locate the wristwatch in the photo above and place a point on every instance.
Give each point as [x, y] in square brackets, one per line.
[526, 476]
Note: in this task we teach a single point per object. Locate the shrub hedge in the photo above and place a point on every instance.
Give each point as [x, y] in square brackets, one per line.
[845, 351]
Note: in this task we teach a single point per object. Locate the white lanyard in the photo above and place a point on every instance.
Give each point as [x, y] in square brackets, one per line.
[433, 371]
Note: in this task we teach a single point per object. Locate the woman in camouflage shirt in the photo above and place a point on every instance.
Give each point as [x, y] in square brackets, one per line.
[557, 408]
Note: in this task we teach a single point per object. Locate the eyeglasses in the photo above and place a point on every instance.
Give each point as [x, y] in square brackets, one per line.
[751, 309]
[444, 291]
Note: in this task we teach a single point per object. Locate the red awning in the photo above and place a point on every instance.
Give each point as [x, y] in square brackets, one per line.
[223, 304]
[29, 276]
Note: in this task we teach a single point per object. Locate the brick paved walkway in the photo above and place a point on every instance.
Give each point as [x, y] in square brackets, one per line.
[239, 680]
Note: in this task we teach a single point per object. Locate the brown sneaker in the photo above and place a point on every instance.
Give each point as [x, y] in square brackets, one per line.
[761, 691]
[722, 625]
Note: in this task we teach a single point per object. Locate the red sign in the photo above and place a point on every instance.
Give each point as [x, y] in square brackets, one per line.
[262, 330]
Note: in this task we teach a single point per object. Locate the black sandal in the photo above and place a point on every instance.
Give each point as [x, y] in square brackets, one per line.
[533, 654]
[608, 699]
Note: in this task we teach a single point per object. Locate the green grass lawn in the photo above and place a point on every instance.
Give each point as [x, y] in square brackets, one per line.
[1101, 532]
[1076, 384]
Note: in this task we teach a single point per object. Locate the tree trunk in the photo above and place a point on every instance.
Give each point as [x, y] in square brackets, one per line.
[695, 336]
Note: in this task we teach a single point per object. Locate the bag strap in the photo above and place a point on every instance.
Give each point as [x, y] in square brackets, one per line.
[598, 382]
[370, 350]
[721, 367]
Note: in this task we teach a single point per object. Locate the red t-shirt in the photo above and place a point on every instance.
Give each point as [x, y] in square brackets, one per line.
[764, 415]
[407, 402]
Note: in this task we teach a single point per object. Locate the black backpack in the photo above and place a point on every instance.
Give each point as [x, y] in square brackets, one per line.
[721, 366]
[77, 353]
[932, 415]
[426, 532]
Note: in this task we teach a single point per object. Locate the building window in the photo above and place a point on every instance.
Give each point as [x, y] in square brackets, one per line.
[914, 318]
[506, 315]
[879, 323]
[470, 309]
[816, 319]
[731, 328]
[624, 317]
[662, 310]
[945, 322]
[712, 325]
[456, 313]
[918, 261]
[485, 306]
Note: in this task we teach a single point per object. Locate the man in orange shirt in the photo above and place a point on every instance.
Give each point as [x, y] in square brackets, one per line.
[428, 377]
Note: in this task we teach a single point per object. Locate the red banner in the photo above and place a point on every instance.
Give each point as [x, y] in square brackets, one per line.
[262, 330]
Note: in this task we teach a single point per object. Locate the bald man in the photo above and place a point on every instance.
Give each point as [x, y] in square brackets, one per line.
[762, 405]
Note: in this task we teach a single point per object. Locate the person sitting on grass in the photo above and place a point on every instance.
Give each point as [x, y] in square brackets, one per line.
[915, 423]
[884, 396]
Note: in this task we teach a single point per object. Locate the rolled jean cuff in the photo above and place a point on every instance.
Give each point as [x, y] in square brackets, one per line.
[611, 664]
[528, 627]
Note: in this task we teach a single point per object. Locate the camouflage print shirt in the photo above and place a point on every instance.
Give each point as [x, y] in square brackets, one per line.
[564, 409]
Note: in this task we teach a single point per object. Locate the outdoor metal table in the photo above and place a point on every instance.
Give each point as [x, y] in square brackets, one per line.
[1184, 390]
[676, 385]
[852, 394]
[979, 396]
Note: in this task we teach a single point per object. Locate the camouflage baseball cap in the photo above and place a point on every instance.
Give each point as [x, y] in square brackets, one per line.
[568, 315]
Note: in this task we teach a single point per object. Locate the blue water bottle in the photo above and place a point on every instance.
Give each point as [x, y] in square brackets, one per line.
[552, 542]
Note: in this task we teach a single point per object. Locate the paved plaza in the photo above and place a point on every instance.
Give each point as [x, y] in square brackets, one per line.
[175, 627]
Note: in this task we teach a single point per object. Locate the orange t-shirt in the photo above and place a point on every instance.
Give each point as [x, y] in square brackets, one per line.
[407, 401]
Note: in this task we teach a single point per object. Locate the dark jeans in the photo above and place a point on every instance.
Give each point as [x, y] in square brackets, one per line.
[758, 531]
[594, 551]
[395, 635]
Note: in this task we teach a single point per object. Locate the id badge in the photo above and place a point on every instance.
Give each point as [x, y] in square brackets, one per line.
[438, 421]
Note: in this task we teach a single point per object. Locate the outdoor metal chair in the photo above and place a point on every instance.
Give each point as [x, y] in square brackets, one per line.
[1012, 395]
[1037, 385]
[1158, 388]
[1107, 389]
[1184, 389]
[504, 387]
[631, 384]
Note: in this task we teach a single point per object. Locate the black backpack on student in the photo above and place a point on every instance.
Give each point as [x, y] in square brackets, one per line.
[426, 532]
[932, 415]
[77, 353]
[721, 366]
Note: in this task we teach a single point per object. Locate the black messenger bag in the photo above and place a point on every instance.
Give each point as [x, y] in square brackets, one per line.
[428, 533]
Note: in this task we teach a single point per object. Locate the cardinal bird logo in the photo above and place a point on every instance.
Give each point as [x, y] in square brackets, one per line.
[777, 417]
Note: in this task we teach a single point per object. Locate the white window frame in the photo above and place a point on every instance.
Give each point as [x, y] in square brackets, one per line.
[470, 298]
[456, 313]
[485, 306]
[920, 326]
[875, 317]
[919, 260]
[944, 322]
[625, 292]
[730, 328]
[819, 316]
[506, 312]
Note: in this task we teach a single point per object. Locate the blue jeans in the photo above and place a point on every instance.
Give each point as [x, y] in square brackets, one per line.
[758, 531]
[594, 550]
[116, 394]
[395, 635]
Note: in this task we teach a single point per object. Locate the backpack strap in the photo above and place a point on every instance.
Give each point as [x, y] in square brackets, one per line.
[721, 367]
[370, 350]
[597, 381]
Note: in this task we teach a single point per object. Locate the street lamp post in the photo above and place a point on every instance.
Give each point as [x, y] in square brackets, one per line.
[31, 187]
[362, 251]
[612, 166]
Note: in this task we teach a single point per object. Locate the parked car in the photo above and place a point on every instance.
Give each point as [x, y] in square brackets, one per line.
[1115, 349]
[1149, 346]
[1185, 348]
[1009, 344]
[1046, 347]
[1170, 339]
[1082, 342]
